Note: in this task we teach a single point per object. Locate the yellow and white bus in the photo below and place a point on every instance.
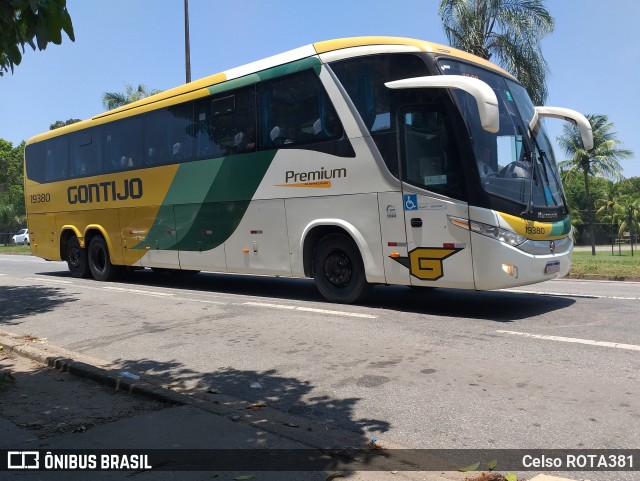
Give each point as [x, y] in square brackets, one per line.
[358, 161]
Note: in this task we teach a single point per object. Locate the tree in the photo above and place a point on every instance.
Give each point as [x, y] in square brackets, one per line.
[630, 215]
[630, 186]
[603, 160]
[113, 100]
[59, 123]
[12, 211]
[22, 21]
[509, 30]
[609, 209]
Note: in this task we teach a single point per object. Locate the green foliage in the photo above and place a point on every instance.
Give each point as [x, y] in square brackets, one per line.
[12, 211]
[630, 187]
[629, 216]
[603, 160]
[113, 100]
[23, 21]
[59, 123]
[509, 30]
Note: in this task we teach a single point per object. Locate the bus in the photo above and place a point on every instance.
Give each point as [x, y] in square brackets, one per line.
[356, 161]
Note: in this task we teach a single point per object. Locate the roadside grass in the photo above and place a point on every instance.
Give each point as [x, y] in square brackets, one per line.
[617, 266]
[15, 249]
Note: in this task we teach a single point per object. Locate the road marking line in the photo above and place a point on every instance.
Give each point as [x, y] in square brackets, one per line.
[617, 345]
[310, 309]
[138, 291]
[205, 301]
[566, 294]
[110, 288]
[44, 279]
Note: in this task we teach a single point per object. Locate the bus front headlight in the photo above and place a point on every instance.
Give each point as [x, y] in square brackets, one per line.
[502, 235]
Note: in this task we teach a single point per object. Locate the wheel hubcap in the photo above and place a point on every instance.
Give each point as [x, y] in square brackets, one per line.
[74, 257]
[338, 269]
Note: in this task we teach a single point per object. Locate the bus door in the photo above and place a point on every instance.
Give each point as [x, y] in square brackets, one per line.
[394, 238]
[439, 253]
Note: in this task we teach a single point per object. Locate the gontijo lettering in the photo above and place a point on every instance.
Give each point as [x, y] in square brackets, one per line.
[105, 191]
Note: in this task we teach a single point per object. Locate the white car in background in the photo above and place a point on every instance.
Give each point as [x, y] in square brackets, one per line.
[21, 237]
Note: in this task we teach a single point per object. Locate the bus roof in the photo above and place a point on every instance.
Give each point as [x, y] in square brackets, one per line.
[200, 88]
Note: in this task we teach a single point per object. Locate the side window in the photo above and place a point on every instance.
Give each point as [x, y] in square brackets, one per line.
[57, 159]
[430, 158]
[168, 135]
[226, 124]
[296, 110]
[84, 159]
[206, 142]
[234, 121]
[156, 142]
[131, 143]
[111, 151]
[35, 160]
[180, 132]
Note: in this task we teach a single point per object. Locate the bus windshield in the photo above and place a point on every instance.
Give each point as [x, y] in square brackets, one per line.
[517, 162]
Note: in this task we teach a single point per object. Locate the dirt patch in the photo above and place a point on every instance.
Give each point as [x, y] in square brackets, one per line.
[489, 477]
[50, 402]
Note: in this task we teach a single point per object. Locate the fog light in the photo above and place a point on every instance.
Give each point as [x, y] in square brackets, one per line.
[511, 270]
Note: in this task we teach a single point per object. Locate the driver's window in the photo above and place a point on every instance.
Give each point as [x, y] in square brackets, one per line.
[509, 149]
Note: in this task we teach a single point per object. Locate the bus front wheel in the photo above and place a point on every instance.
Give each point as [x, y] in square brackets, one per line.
[99, 261]
[338, 270]
[77, 259]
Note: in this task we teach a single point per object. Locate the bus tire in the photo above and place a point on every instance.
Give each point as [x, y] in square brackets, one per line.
[338, 270]
[76, 258]
[99, 261]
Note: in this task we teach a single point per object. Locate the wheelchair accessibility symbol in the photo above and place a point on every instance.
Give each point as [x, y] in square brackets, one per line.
[411, 202]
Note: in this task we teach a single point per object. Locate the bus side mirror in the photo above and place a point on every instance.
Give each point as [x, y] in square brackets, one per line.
[570, 116]
[484, 95]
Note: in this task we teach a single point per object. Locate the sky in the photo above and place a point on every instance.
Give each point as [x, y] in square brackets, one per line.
[593, 54]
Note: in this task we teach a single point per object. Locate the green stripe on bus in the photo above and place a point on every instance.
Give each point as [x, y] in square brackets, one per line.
[268, 74]
[214, 196]
[562, 227]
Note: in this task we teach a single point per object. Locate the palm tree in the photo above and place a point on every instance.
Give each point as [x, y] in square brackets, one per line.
[630, 219]
[509, 30]
[609, 209]
[113, 100]
[603, 160]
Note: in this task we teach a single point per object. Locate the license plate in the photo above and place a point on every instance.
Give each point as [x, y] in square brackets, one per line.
[552, 267]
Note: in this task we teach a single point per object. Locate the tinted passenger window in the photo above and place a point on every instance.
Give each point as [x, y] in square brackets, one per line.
[56, 159]
[226, 124]
[85, 153]
[295, 110]
[168, 135]
[131, 148]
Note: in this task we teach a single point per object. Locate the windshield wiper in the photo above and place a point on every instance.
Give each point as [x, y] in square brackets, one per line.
[529, 156]
[544, 160]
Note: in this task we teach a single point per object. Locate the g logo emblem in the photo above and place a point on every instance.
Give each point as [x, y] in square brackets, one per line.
[425, 263]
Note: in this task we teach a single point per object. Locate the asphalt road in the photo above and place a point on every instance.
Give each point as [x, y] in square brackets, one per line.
[548, 366]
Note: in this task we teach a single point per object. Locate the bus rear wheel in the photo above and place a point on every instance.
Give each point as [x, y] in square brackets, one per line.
[77, 259]
[99, 261]
[338, 270]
